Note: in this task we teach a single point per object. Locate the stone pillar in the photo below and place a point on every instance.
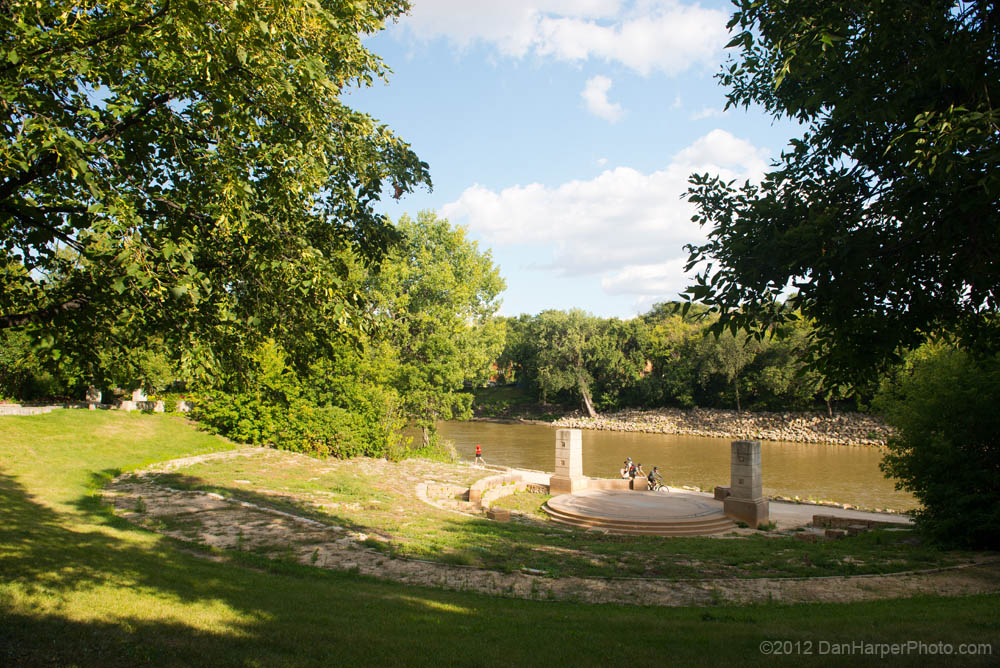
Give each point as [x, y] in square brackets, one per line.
[93, 397]
[569, 476]
[746, 502]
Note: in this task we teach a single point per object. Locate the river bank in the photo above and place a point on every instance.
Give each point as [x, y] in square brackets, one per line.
[842, 429]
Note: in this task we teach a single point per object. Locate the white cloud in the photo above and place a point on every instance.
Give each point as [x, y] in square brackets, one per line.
[595, 94]
[645, 36]
[706, 112]
[625, 227]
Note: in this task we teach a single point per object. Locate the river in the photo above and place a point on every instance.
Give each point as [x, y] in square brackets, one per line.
[830, 472]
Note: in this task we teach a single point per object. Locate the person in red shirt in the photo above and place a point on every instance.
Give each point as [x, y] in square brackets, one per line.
[479, 455]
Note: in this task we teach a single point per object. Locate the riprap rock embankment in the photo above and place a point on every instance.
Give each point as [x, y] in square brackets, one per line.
[841, 429]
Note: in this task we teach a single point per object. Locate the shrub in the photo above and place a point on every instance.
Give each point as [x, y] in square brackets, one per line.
[946, 448]
[323, 431]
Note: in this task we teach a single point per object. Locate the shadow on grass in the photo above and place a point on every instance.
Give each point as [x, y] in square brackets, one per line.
[73, 593]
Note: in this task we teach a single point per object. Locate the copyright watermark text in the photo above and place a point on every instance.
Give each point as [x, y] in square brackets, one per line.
[879, 649]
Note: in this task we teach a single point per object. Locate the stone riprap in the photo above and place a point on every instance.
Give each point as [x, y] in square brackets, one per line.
[841, 429]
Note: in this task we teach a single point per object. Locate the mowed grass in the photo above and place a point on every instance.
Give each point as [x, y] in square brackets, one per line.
[80, 587]
[377, 497]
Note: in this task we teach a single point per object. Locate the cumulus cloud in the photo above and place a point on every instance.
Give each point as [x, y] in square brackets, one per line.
[595, 94]
[626, 227]
[648, 35]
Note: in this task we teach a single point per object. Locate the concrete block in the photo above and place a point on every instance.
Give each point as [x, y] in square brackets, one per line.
[721, 493]
[751, 511]
[855, 529]
[835, 533]
[498, 514]
[559, 484]
[640, 485]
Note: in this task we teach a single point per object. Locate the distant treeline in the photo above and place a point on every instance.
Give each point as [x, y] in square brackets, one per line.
[662, 359]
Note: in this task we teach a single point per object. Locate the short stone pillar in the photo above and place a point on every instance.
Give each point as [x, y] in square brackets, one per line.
[746, 502]
[139, 395]
[569, 476]
[93, 397]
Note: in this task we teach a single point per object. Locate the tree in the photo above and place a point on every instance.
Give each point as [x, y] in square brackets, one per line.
[945, 449]
[727, 356]
[188, 168]
[883, 218]
[435, 298]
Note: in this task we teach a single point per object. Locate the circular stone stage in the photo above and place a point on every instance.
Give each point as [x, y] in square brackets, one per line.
[641, 513]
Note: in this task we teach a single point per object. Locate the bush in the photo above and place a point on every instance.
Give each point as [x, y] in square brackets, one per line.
[946, 448]
[323, 431]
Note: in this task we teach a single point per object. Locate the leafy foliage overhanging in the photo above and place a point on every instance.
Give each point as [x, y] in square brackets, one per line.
[883, 219]
[188, 168]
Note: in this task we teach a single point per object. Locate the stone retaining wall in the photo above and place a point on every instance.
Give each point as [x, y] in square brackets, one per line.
[479, 488]
[17, 409]
[494, 493]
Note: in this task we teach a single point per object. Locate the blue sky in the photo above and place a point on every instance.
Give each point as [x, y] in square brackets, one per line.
[561, 133]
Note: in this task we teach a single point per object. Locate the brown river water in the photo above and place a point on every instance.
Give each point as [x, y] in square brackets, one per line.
[844, 474]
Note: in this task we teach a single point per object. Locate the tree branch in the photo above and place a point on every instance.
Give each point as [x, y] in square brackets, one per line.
[27, 215]
[43, 315]
[46, 165]
[141, 26]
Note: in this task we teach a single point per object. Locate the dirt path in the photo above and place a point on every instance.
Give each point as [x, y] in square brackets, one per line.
[212, 520]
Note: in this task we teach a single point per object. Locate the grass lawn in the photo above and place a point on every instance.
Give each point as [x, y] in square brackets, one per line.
[377, 498]
[81, 587]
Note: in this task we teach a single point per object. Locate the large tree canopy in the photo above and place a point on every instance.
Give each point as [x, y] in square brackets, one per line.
[188, 167]
[883, 219]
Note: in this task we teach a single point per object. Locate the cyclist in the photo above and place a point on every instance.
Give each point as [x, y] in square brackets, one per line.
[655, 479]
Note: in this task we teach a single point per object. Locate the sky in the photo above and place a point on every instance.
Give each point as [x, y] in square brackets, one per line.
[561, 135]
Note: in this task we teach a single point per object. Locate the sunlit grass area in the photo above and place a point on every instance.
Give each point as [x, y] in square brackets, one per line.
[378, 499]
[79, 586]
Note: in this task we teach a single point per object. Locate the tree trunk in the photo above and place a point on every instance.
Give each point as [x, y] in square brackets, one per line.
[588, 406]
[426, 436]
[736, 388]
[829, 408]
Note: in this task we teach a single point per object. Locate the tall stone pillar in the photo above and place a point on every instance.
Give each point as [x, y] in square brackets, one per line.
[746, 502]
[569, 476]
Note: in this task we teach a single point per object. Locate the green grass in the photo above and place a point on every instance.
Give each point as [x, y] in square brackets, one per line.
[81, 587]
[377, 497]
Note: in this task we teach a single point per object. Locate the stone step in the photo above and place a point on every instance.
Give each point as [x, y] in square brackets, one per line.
[662, 531]
[715, 524]
[706, 520]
